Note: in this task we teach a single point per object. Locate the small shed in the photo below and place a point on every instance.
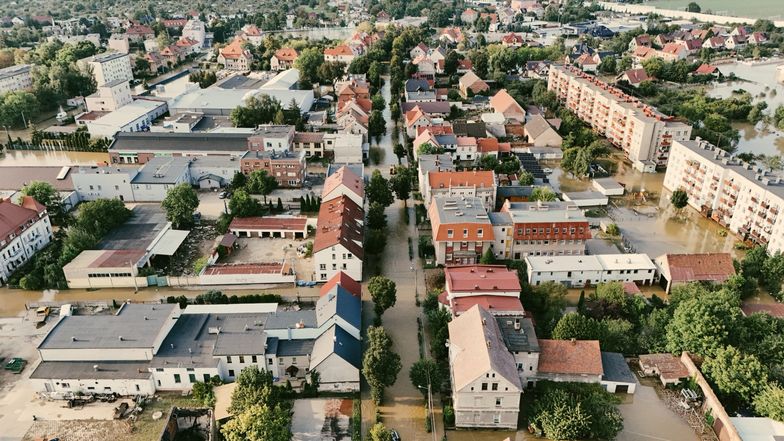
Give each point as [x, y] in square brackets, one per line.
[608, 187]
[668, 367]
[585, 199]
[617, 377]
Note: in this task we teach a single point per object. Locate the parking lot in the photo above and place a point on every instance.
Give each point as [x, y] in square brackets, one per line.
[256, 249]
[211, 206]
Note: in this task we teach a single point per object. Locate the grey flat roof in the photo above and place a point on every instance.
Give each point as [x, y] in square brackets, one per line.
[291, 348]
[137, 324]
[162, 170]
[584, 195]
[16, 177]
[106, 56]
[11, 71]
[85, 370]
[616, 369]
[138, 232]
[464, 210]
[187, 142]
[518, 340]
[442, 162]
[357, 168]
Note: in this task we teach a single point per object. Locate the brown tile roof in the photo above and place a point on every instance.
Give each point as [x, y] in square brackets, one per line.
[340, 223]
[286, 54]
[235, 49]
[13, 217]
[705, 69]
[247, 268]
[276, 223]
[502, 102]
[345, 281]
[709, 267]
[636, 76]
[338, 50]
[772, 309]
[570, 357]
[346, 177]
[668, 365]
[311, 137]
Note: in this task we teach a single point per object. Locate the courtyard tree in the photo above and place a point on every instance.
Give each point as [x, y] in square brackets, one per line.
[380, 364]
[424, 372]
[770, 402]
[379, 432]
[577, 326]
[238, 181]
[261, 182]
[571, 411]
[259, 423]
[383, 291]
[488, 258]
[702, 325]
[180, 203]
[308, 63]
[47, 195]
[254, 387]
[737, 376]
[543, 194]
[242, 204]
[255, 111]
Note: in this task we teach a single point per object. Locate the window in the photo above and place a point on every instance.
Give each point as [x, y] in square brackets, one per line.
[450, 233]
[484, 386]
[495, 386]
[323, 266]
[228, 359]
[231, 372]
[206, 378]
[497, 419]
[177, 378]
[192, 378]
[242, 359]
[280, 361]
[497, 401]
[465, 232]
[479, 232]
[269, 361]
[253, 359]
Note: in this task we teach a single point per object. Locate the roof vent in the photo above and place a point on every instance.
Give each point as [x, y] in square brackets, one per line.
[120, 338]
[96, 368]
[73, 339]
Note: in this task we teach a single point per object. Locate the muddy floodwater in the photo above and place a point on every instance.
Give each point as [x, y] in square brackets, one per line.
[28, 158]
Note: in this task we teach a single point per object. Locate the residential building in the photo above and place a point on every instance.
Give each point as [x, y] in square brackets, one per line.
[462, 231]
[419, 91]
[235, 57]
[283, 59]
[493, 287]
[451, 35]
[513, 40]
[252, 34]
[506, 105]
[17, 77]
[24, 230]
[486, 387]
[345, 148]
[212, 172]
[338, 245]
[109, 67]
[119, 43]
[195, 30]
[427, 164]
[577, 361]
[139, 32]
[617, 378]
[644, 134]
[634, 76]
[109, 97]
[98, 182]
[271, 138]
[523, 229]
[679, 269]
[672, 52]
[471, 84]
[667, 367]
[341, 54]
[344, 281]
[540, 133]
[480, 184]
[288, 168]
[350, 89]
[583, 271]
[744, 198]
[344, 182]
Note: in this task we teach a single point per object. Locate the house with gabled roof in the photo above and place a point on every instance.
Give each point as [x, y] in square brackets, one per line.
[506, 105]
[234, 56]
[344, 182]
[341, 53]
[634, 76]
[337, 357]
[283, 59]
[540, 133]
[343, 280]
[420, 50]
[577, 361]
[470, 82]
[338, 245]
[675, 269]
[486, 387]
[340, 307]
[451, 35]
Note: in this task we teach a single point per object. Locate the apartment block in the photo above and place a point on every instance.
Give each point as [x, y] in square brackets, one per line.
[24, 229]
[642, 132]
[461, 230]
[744, 198]
[286, 167]
[479, 184]
[109, 67]
[13, 78]
[539, 229]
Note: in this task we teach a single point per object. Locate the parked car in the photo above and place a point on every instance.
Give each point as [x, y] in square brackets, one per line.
[223, 195]
[395, 436]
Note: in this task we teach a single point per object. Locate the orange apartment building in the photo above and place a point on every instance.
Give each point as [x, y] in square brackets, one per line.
[461, 230]
[642, 132]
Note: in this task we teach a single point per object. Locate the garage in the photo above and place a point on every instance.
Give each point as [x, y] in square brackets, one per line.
[617, 377]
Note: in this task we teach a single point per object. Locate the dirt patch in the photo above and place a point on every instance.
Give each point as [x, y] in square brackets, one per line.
[80, 430]
[434, 278]
[199, 243]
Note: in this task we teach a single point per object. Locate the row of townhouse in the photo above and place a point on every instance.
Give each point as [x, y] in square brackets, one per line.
[744, 198]
[145, 348]
[643, 133]
[339, 242]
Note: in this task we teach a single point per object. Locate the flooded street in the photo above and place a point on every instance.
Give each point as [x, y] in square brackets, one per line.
[40, 158]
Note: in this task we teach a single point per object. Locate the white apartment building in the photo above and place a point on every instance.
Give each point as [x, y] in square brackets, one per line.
[109, 67]
[109, 97]
[581, 271]
[642, 132]
[195, 30]
[24, 230]
[13, 78]
[338, 245]
[346, 148]
[104, 183]
[744, 198]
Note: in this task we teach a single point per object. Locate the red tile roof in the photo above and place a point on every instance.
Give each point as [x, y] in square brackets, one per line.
[710, 267]
[247, 268]
[570, 357]
[13, 217]
[471, 278]
[345, 281]
[286, 54]
[117, 258]
[338, 50]
[705, 69]
[340, 223]
[346, 177]
[269, 223]
[494, 304]
[448, 179]
[637, 76]
[772, 309]
[139, 30]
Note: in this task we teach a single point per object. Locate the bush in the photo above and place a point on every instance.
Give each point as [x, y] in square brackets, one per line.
[449, 415]
[568, 411]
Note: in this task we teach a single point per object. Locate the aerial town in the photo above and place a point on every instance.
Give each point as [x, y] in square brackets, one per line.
[477, 220]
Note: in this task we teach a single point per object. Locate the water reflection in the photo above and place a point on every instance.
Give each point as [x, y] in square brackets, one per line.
[30, 158]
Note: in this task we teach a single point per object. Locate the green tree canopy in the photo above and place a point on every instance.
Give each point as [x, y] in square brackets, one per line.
[380, 364]
[383, 291]
[180, 203]
[254, 387]
[544, 194]
[401, 182]
[259, 423]
[423, 372]
[702, 325]
[242, 204]
[47, 195]
[770, 402]
[256, 111]
[378, 190]
[261, 182]
[737, 376]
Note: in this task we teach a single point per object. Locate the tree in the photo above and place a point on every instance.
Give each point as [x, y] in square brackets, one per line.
[576, 326]
[378, 190]
[238, 181]
[770, 402]
[547, 303]
[430, 149]
[543, 194]
[450, 63]
[773, 274]
[261, 182]
[242, 204]
[702, 324]
[141, 67]
[379, 432]
[359, 65]
[569, 411]
[693, 7]
[257, 110]
[401, 183]
[424, 372]
[400, 151]
[377, 126]
[679, 199]
[737, 376]
[259, 423]
[380, 364]
[330, 71]
[254, 387]
[383, 291]
[488, 258]
[47, 195]
[180, 203]
[653, 332]
[308, 63]
[377, 102]
[375, 241]
[17, 108]
[376, 218]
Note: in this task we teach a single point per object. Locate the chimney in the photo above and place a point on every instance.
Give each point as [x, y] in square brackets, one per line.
[517, 324]
[488, 344]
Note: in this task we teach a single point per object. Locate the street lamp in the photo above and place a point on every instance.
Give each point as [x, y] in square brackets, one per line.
[430, 407]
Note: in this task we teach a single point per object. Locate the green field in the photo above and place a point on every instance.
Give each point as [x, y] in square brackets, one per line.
[770, 9]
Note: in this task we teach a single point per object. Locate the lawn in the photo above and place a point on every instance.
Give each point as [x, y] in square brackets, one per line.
[147, 429]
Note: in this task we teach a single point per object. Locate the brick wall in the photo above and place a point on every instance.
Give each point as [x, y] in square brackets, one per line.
[722, 425]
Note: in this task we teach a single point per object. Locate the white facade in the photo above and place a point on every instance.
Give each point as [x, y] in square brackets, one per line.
[119, 43]
[744, 198]
[15, 78]
[104, 183]
[109, 67]
[644, 134]
[21, 247]
[135, 117]
[346, 148]
[579, 271]
[109, 97]
[195, 30]
[332, 260]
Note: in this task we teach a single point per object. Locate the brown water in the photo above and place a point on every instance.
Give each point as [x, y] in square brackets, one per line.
[763, 140]
[50, 158]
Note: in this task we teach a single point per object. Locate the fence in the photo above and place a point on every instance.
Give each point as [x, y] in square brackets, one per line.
[722, 424]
